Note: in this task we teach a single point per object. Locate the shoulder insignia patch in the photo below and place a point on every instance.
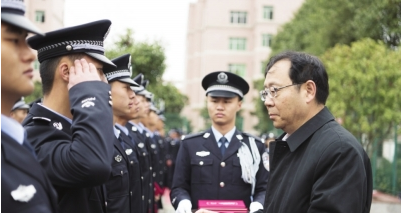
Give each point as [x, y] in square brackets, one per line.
[185, 137]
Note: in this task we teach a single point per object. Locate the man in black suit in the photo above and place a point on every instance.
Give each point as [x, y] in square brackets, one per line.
[221, 163]
[24, 184]
[71, 130]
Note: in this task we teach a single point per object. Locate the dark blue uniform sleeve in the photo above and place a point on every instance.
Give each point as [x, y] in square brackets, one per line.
[81, 158]
[182, 176]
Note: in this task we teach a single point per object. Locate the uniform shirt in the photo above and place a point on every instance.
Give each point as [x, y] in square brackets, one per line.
[12, 128]
[228, 136]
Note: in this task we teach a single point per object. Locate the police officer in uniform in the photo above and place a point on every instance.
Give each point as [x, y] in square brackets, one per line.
[220, 163]
[25, 186]
[71, 129]
[123, 189]
[172, 147]
[140, 141]
[19, 110]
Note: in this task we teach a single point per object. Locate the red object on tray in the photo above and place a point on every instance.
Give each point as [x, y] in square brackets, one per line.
[223, 206]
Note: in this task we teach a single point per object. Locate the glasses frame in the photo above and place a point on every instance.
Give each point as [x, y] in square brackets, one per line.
[268, 91]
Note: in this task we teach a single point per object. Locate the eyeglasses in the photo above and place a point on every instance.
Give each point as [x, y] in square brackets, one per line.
[272, 91]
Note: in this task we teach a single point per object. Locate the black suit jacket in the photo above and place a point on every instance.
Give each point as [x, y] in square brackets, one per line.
[19, 167]
[213, 176]
[76, 157]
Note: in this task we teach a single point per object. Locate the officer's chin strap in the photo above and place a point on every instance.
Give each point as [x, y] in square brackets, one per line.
[249, 162]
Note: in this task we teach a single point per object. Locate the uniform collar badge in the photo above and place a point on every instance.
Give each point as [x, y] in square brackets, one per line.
[239, 137]
[129, 151]
[58, 125]
[23, 193]
[206, 135]
[182, 137]
[202, 153]
[118, 158]
[134, 128]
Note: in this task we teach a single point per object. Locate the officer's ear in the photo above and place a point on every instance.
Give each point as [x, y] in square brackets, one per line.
[63, 68]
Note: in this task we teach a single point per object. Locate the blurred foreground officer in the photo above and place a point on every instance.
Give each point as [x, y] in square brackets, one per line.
[19, 110]
[124, 186]
[315, 165]
[221, 163]
[24, 184]
[72, 129]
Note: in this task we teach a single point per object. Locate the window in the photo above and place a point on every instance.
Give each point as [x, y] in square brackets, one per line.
[237, 43]
[268, 13]
[40, 16]
[266, 40]
[238, 17]
[238, 69]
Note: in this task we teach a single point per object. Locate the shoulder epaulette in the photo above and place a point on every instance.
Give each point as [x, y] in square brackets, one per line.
[185, 137]
[250, 135]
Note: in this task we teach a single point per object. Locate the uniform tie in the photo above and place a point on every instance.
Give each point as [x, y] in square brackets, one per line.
[223, 141]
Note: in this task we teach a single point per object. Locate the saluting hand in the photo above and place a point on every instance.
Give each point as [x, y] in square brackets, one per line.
[82, 71]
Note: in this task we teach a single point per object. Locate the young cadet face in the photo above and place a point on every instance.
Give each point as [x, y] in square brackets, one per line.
[287, 109]
[144, 106]
[123, 99]
[16, 63]
[222, 111]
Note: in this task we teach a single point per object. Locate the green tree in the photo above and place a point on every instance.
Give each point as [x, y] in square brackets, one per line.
[36, 94]
[365, 87]
[148, 58]
[321, 24]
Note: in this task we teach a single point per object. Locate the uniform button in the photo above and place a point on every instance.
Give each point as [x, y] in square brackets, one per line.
[142, 177]
[122, 172]
[105, 203]
[222, 184]
[153, 174]
[201, 163]
[149, 201]
[150, 168]
[150, 184]
[132, 162]
[131, 193]
[143, 197]
[223, 164]
[144, 153]
[160, 172]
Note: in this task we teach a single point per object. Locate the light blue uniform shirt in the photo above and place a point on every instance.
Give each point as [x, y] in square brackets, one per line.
[12, 128]
[218, 136]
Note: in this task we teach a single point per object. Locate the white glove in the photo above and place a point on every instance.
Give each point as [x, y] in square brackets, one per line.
[184, 206]
[255, 206]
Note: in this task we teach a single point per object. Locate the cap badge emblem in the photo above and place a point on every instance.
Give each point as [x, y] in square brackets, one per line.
[222, 78]
[118, 158]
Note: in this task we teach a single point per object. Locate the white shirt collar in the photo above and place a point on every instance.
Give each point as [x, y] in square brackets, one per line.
[116, 132]
[12, 128]
[67, 119]
[219, 135]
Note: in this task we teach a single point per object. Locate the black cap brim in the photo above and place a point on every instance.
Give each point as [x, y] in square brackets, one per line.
[21, 22]
[221, 93]
[128, 81]
[101, 58]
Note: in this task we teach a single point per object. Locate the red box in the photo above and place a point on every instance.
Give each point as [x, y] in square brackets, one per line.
[223, 206]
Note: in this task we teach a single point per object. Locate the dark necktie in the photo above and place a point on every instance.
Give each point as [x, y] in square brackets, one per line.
[223, 141]
[27, 145]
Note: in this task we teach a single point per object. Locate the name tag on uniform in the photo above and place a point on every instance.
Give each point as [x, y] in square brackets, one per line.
[202, 153]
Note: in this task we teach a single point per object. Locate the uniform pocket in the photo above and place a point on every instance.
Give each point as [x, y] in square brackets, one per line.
[118, 184]
[236, 172]
[201, 170]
